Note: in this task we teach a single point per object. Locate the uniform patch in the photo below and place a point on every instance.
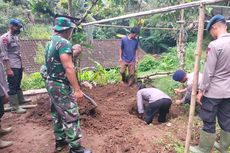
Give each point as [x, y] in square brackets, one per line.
[5, 41]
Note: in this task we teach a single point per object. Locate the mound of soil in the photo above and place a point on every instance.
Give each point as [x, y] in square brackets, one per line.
[112, 128]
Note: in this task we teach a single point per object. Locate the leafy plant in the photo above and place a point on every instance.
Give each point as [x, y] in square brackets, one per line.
[148, 63]
[101, 76]
[33, 81]
[37, 31]
[40, 54]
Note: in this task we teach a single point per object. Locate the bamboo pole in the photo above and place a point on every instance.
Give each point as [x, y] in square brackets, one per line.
[196, 73]
[70, 12]
[148, 28]
[154, 74]
[181, 41]
[155, 11]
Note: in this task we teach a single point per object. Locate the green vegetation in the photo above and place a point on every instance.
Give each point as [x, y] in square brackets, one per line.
[149, 64]
[99, 76]
[32, 81]
[37, 31]
[40, 54]
[168, 61]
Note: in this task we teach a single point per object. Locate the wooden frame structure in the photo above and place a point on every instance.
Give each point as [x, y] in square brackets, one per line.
[201, 4]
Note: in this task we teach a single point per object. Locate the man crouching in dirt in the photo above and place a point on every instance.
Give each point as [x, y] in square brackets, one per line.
[156, 101]
[182, 77]
[61, 78]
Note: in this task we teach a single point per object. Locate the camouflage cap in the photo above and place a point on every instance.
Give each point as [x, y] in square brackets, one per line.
[62, 23]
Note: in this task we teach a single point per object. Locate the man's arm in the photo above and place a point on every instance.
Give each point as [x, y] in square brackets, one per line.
[3, 46]
[66, 60]
[177, 91]
[209, 71]
[121, 50]
[137, 55]
[120, 54]
[140, 104]
[209, 68]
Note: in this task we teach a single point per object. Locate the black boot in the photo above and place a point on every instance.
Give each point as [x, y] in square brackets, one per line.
[79, 149]
[123, 77]
[61, 144]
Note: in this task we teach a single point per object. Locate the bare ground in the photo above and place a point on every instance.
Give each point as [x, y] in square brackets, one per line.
[114, 128]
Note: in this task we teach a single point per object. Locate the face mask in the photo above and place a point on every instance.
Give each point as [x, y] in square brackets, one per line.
[16, 32]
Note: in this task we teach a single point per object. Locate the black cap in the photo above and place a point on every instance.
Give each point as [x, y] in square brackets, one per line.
[215, 19]
[135, 30]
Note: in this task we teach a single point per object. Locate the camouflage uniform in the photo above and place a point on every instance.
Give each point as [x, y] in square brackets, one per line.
[64, 109]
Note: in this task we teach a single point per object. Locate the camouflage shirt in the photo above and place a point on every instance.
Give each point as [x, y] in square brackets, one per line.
[56, 47]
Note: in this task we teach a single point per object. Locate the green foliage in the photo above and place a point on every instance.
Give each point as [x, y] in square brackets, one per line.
[37, 31]
[179, 147]
[166, 84]
[8, 11]
[169, 61]
[40, 54]
[32, 81]
[157, 41]
[101, 76]
[166, 62]
[79, 38]
[148, 63]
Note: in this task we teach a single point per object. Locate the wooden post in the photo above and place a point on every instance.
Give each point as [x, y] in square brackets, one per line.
[70, 8]
[196, 74]
[181, 41]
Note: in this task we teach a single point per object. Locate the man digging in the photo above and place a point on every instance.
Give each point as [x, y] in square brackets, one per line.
[61, 78]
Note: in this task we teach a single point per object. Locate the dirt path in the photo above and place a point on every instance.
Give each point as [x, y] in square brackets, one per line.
[114, 129]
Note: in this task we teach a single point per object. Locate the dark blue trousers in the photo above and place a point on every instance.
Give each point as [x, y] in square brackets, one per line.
[162, 106]
[15, 81]
[215, 108]
[1, 108]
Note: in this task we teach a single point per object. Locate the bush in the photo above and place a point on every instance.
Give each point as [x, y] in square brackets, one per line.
[166, 84]
[148, 63]
[32, 81]
[37, 31]
[169, 61]
[40, 54]
[101, 76]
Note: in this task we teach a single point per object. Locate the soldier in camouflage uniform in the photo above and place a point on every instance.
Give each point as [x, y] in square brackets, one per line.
[61, 76]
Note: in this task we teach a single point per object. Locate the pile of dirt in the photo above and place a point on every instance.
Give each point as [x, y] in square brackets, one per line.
[112, 128]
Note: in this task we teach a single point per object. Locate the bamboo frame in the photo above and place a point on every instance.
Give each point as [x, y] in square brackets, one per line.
[155, 11]
[181, 41]
[148, 28]
[196, 73]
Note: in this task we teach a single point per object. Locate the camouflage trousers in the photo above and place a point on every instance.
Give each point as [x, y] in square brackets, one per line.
[65, 113]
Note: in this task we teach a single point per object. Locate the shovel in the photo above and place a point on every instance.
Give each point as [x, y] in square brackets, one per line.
[92, 110]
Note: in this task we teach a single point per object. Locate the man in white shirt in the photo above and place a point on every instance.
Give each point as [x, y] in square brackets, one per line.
[157, 101]
[182, 77]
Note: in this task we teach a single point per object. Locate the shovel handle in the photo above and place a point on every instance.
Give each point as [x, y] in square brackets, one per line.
[90, 99]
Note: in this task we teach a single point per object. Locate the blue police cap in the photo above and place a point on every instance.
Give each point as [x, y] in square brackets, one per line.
[179, 75]
[215, 19]
[15, 22]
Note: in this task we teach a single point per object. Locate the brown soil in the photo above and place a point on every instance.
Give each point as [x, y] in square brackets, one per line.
[113, 128]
